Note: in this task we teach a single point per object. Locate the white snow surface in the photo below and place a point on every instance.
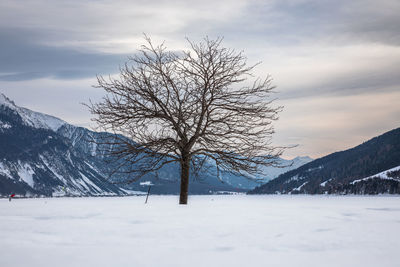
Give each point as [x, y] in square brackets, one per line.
[5, 171]
[300, 187]
[381, 175]
[89, 182]
[33, 118]
[324, 183]
[146, 183]
[26, 173]
[5, 125]
[238, 230]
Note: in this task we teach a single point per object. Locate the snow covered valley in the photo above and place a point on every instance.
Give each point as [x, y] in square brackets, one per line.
[236, 230]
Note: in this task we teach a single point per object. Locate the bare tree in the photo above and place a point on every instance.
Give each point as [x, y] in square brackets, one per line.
[189, 107]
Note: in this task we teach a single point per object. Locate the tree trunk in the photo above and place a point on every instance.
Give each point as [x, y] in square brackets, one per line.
[185, 166]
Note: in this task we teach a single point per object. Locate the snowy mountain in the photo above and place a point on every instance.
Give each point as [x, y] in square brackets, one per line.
[384, 182]
[269, 173]
[370, 168]
[391, 174]
[43, 155]
[35, 159]
[32, 118]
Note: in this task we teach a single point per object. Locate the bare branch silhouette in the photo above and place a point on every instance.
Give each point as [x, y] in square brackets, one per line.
[190, 107]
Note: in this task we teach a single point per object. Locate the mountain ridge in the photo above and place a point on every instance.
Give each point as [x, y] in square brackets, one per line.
[44, 155]
[335, 172]
[33, 118]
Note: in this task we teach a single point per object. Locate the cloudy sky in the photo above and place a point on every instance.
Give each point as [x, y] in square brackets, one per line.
[336, 64]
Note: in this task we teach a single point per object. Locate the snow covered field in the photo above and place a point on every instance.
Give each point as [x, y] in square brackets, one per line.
[211, 231]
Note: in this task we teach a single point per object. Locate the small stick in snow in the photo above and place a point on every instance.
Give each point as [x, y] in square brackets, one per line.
[148, 193]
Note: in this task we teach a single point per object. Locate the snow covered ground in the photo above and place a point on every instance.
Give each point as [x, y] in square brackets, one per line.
[233, 230]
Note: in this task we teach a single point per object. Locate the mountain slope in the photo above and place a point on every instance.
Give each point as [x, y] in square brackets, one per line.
[43, 155]
[336, 172]
[32, 118]
[269, 173]
[35, 160]
[165, 181]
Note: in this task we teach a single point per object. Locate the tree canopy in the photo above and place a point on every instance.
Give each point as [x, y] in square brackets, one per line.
[193, 106]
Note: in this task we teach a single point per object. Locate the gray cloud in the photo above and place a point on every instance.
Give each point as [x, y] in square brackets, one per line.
[352, 83]
[22, 58]
[374, 21]
[325, 56]
[63, 40]
[288, 22]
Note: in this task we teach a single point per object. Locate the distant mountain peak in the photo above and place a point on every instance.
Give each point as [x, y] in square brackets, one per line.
[33, 118]
[4, 100]
[303, 158]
